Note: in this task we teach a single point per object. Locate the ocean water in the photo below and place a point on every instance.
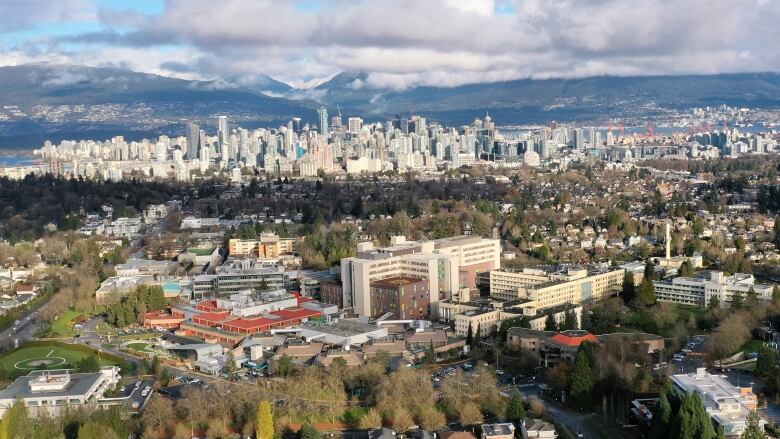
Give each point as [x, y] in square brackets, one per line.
[16, 161]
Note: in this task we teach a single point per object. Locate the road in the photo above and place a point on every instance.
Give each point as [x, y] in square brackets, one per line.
[573, 421]
[28, 326]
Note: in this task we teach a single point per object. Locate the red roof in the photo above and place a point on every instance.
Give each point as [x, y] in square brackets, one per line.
[295, 313]
[210, 318]
[302, 299]
[573, 340]
[207, 305]
[247, 324]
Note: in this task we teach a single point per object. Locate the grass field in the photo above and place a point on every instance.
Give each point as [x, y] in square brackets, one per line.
[41, 356]
[751, 346]
[63, 326]
[140, 346]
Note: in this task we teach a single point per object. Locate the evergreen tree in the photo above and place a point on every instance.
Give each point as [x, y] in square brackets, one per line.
[94, 430]
[549, 323]
[515, 411]
[692, 421]
[647, 292]
[469, 336]
[766, 363]
[753, 430]
[582, 381]
[430, 355]
[737, 302]
[649, 271]
[265, 421]
[308, 431]
[751, 298]
[662, 418]
[686, 269]
[570, 320]
[478, 335]
[714, 303]
[629, 288]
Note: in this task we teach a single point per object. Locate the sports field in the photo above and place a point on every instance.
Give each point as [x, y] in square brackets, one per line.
[46, 356]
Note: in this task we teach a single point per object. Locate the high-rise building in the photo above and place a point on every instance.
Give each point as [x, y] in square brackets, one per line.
[323, 113]
[222, 129]
[355, 124]
[296, 124]
[579, 139]
[193, 141]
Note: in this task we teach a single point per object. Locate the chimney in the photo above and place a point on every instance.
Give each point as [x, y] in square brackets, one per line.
[668, 242]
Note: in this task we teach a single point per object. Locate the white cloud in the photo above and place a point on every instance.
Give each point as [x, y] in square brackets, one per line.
[404, 43]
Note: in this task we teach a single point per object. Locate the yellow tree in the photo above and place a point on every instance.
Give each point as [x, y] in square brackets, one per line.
[265, 421]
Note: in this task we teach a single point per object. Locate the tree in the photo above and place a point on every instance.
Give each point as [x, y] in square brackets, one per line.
[430, 355]
[550, 324]
[470, 414]
[430, 418]
[766, 363]
[371, 420]
[662, 418]
[647, 292]
[308, 431]
[94, 430]
[401, 419]
[714, 303]
[469, 336]
[478, 335]
[629, 288]
[582, 381]
[157, 415]
[753, 430]
[751, 298]
[265, 421]
[737, 302]
[88, 364]
[570, 320]
[515, 411]
[284, 366]
[649, 270]
[15, 422]
[692, 420]
[686, 269]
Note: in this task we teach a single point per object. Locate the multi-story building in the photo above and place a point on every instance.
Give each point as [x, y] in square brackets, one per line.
[240, 275]
[47, 392]
[544, 288]
[265, 247]
[726, 404]
[447, 265]
[404, 297]
[701, 290]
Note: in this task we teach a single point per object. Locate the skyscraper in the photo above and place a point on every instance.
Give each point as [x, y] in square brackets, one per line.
[193, 141]
[222, 127]
[323, 113]
[579, 139]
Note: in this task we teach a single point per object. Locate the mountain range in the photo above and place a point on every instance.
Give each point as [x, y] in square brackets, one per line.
[43, 101]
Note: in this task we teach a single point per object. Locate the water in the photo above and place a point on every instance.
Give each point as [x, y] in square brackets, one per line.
[16, 161]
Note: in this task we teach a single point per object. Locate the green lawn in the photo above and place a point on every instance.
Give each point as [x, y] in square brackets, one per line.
[51, 355]
[142, 347]
[63, 326]
[751, 346]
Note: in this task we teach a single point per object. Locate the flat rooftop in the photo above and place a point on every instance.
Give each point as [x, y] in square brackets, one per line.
[342, 328]
[397, 281]
[78, 384]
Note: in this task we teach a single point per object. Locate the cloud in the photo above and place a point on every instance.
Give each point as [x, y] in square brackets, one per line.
[407, 43]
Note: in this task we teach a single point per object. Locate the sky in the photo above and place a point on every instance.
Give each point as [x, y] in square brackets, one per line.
[399, 43]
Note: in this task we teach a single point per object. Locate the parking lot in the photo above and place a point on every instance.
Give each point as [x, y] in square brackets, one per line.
[691, 356]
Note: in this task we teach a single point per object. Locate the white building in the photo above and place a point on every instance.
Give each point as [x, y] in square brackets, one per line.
[701, 289]
[448, 265]
[727, 405]
[49, 391]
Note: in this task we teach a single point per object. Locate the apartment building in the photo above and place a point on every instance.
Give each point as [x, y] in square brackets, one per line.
[267, 246]
[447, 265]
[549, 287]
[700, 290]
[727, 405]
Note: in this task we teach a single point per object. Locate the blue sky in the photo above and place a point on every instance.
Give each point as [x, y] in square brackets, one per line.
[399, 43]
